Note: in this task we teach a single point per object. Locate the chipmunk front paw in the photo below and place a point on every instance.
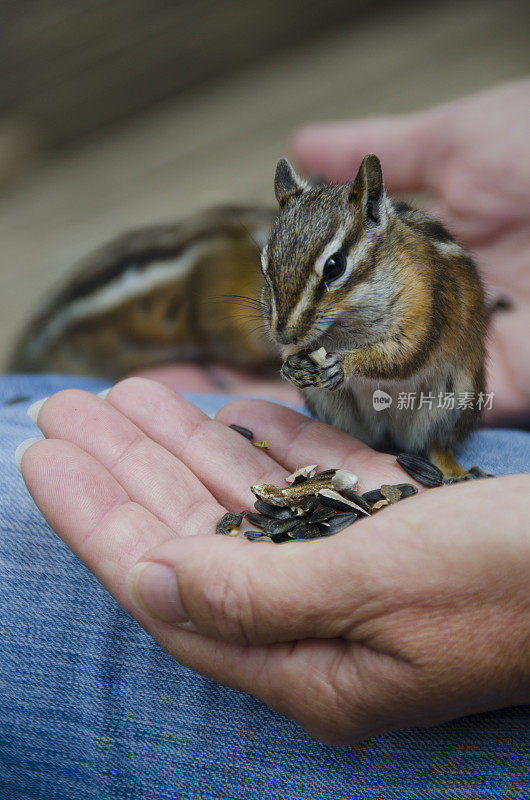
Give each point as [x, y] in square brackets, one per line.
[300, 370]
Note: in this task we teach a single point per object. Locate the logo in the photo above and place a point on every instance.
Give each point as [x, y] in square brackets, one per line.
[381, 400]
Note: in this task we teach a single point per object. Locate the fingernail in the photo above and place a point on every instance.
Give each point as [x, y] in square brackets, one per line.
[33, 410]
[104, 393]
[153, 588]
[21, 449]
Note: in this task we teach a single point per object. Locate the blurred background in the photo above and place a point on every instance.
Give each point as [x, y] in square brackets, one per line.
[117, 113]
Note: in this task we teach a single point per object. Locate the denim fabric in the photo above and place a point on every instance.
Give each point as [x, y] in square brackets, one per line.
[91, 707]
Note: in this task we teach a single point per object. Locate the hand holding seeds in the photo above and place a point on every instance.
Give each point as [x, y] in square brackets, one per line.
[413, 615]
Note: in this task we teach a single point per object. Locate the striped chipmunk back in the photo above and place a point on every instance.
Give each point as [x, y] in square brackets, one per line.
[158, 294]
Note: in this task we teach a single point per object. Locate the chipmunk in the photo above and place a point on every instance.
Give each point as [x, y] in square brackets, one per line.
[382, 290]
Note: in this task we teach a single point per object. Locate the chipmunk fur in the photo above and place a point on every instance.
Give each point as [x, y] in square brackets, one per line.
[393, 299]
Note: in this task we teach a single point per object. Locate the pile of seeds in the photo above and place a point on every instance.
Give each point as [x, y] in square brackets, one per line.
[313, 505]
[316, 504]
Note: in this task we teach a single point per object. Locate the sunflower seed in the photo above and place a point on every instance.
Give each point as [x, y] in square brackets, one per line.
[325, 473]
[372, 496]
[391, 493]
[256, 536]
[406, 489]
[303, 472]
[308, 505]
[229, 524]
[278, 527]
[261, 445]
[243, 431]
[359, 499]
[304, 531]
[276, 512]
[420, 469]
[338, 523]
[259, 520]
[332, 499]
[321, 515]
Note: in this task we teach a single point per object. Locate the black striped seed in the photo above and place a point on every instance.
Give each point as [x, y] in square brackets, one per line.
[372, 496]
[321, 515]
[406, 489]
[278, 527]
[361, 500]
[243, 431]
[334, 502]
[308, 504]
[338, 523]
[276, 512]
[421, 469]
[305, 531]
[259, 520]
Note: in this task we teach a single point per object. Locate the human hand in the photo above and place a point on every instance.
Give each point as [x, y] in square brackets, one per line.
[219, 378]
[472, 156]
[402, 619]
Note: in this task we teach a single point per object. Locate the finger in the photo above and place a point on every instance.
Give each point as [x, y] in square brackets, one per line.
[151, 476]
[89, 509]
[409, 148]
[238, 592]
[95, 518]
[223, 460]
[296, 440]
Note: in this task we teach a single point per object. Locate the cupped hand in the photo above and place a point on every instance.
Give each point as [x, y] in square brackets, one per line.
[416, 615]
[472, 157]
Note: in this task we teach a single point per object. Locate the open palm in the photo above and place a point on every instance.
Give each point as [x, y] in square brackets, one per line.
[394, 621]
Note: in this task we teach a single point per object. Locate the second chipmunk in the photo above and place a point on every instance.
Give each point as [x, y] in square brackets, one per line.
[382, 290]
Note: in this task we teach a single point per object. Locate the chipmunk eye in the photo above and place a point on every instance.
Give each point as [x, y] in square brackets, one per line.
[334, 267]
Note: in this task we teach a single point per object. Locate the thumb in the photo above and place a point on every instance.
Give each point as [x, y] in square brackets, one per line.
[409, 146]
[237, 591]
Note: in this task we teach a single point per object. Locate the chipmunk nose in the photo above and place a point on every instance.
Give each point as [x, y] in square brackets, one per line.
[285, 335]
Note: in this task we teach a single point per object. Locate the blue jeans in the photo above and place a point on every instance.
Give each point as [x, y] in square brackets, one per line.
[92, 707]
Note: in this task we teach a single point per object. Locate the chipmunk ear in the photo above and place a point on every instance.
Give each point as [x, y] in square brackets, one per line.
[287, 184]
[368, 190]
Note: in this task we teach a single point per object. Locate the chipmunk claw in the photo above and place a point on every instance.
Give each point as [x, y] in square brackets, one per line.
[300, 370]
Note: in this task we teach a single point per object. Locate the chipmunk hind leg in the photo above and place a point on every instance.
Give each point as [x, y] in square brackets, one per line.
[444, 459]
